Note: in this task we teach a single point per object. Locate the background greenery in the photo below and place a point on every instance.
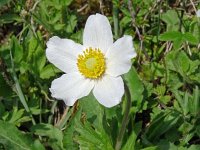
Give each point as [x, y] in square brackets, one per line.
[164, 81]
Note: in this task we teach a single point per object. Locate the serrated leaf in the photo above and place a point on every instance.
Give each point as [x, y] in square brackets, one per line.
[12, 138]
[92, 139]
[55, 135]
[15, 115]
[47, 130]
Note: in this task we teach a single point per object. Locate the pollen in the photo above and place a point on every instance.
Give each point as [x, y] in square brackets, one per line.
[91, 63]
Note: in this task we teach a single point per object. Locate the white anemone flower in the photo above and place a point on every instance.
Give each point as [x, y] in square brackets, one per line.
[94, 66]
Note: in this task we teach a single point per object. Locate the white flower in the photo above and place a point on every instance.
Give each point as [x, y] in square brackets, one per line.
[198, 13]
[94, 66]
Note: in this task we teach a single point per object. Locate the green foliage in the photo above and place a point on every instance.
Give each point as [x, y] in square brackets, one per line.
[54, 134]
[12, 138]
[3, 2]
[178, 38]
[171, 19]
[164, 80]
[92, 139]
[5, 90]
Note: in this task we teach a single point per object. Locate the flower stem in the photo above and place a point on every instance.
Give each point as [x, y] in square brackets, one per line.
[125, 119]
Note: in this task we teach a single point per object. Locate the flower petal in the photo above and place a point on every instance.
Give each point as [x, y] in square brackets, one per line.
[98, 33]
[63, 53]
[70, 87]
[109, 90]
[119, 56]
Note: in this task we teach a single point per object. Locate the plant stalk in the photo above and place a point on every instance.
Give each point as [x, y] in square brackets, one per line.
[125, 119]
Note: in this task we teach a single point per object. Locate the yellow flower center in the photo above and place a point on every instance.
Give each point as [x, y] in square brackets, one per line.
[91, 63]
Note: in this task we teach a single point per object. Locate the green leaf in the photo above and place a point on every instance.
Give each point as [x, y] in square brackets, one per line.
[2, 109]
[47, 130]
[59, 26]
[187, 102]
[92, 138]
[166, 145]
[71, 24]
[17, 49]
[171, 19]
[4, 2]
[55, 135]
[179, 61]
[12, 138]
[190, 38]
[125, 21]
[135, 86]
[48, 71]
[163, 122]
[131, 142]
[181, 101]
[151, 148]
[160, 90]
[171, 36]
[36, 54]
[39, 59]
[194, 147]
[32, 45]
[182, 61]
[178, 38]
[95, 116]
[17, 116]
[177, 43]
[68, 139]
[36, 110]
[67, 2]
[37, 146]
[5, 89]
[196, 100]
[9, 17]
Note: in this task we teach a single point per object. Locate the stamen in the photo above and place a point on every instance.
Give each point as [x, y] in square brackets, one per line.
[91, 63]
